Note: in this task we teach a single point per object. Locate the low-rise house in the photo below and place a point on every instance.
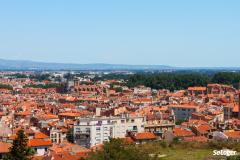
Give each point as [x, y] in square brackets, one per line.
[197, 90]
[143, 137]
[233, 135]
[66, 151]
[43, 120]
[203, 130]
[182, 133]
[158, 120]
[41, 146]
[4, 149]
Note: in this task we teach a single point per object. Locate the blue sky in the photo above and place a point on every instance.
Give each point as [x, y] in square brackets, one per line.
[187, 33]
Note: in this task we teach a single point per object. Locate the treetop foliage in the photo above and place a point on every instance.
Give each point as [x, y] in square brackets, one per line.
[178, 81]
[20, 150]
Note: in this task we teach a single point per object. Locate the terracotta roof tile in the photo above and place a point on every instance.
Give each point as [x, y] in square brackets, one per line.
[180, 132]
[232, 134]
[4, 147]
[39, 142]
[144, 135]
[40, 135]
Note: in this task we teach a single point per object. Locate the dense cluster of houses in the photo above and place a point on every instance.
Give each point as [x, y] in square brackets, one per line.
[91, 113]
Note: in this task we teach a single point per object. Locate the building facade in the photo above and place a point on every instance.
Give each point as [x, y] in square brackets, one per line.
[89, 132]
[183, 112]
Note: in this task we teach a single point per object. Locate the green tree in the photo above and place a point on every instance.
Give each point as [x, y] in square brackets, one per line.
[180, 121]
[230, 78]
[233, 157]
[118, 89]
[175, 140]
[6, 86]
[171, 81]
[70, 135]
[20, 150]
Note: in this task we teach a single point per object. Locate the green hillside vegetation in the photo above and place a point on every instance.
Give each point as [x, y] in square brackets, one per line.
[116, 149]
[178, 81]
[5, 86]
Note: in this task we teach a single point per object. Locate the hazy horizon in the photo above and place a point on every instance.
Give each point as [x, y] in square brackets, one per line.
[172, 33]
[124, 64]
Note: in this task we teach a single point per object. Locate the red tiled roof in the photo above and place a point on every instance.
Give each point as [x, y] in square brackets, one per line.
[40, 135]
[39, 142]
[204, 128]
[180, 132]
[69, 156]
[68, 147]
[197, 88]
[232, 134]
[184, 106]
[13, 136]
[26, 113]
[144, 135]
[127, 140]
[4, 147]
[235, 108]
[48, 116]
[2, 114]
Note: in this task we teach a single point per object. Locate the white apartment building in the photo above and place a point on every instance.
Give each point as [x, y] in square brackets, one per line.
[89, 132]
[56, 135]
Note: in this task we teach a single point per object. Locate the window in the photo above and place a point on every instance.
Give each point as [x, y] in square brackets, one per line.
[45, 149]
[54, 135]
[98, 134]
[98, 128]
[88, 130]
[77, 130]
[122, 121]
[134, 127]
[132, 120]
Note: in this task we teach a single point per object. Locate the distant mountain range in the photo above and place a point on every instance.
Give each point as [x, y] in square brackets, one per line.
[32, 65]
